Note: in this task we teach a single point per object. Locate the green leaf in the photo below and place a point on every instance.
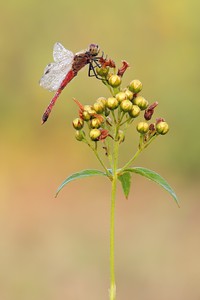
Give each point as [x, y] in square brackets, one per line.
[154, 177]
[78, 175]
[125, 180]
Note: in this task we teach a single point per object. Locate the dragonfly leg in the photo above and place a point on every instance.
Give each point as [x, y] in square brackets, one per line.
[95, 61]
[92, 69]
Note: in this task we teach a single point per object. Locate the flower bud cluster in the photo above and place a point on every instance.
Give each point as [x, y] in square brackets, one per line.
[110, 117]
[94, 116]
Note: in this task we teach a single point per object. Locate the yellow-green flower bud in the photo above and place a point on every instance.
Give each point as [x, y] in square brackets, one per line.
[95, 134]
[121, 96]
[79, 135]
[126, 105]
[135, 111]
[99, 107]
[78, 123]
[109, 75]
[141, 102]
[89, 109]
[114, 80]
[142, 127]
[129, 94]
[95, 123]
[135, 86]
[86, 116]
[162, 128]
[121, 136]
[112, 103]
[101, 100]
[103, 72]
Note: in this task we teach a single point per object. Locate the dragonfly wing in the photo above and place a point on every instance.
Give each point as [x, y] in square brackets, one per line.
[54, 74]
[60, 53]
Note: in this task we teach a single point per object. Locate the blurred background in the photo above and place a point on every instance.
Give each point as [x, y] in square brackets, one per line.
[59, 249]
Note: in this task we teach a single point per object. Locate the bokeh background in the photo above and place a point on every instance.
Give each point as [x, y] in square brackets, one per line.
[59, 249]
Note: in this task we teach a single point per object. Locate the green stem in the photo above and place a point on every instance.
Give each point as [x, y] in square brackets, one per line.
[142, 146]
[112, 237]
[109, 87]
[101, 162]
[99, 159]
[131, 160]
[114, 118]
[112, 216]
[126, 121]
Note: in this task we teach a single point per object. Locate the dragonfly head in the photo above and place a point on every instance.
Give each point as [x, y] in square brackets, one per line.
[94, 49]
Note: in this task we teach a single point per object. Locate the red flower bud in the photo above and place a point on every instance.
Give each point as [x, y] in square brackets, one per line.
[149, 111]
[123, 68]
[104, 134]
[81, 108]
[106, 63]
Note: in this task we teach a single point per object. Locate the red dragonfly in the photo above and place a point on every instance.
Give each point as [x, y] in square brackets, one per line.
[64, 68]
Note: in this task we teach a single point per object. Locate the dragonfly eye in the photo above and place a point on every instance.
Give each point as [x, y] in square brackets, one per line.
[94, 49]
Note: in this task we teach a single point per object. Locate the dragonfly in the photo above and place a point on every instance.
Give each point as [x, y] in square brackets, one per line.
[65, 67]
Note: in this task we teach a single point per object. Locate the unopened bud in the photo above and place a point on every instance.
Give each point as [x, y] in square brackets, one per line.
[152, 127]
[99, 107]
[162, 127]
[126, 105]
[79, 135]
[135, 86]
[141, 102]
[78, 123]
[112, 103]
[142, 127]
[86, 116]
[114, 80]
[95, 134]
[89, 109]
[121, 96]
[149, 111]
[101, 100]
[103, 72]
[104, 134]
[123, 68]
[95, 123]
[129, 94]
[135, 111]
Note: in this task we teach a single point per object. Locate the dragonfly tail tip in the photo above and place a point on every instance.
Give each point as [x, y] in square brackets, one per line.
[43, 121]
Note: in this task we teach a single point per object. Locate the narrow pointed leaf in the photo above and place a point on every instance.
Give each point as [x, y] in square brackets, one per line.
[154, 177]
[125, 180]
[78, 175]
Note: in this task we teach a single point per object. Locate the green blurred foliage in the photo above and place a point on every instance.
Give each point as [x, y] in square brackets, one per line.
[160, 40]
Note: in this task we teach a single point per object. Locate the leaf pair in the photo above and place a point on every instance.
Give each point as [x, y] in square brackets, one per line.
[124, 178]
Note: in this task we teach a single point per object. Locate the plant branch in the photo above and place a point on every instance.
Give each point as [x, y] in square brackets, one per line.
[99, 159]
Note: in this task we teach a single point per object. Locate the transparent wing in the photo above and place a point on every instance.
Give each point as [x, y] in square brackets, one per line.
[60, 53]
[54, 74]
